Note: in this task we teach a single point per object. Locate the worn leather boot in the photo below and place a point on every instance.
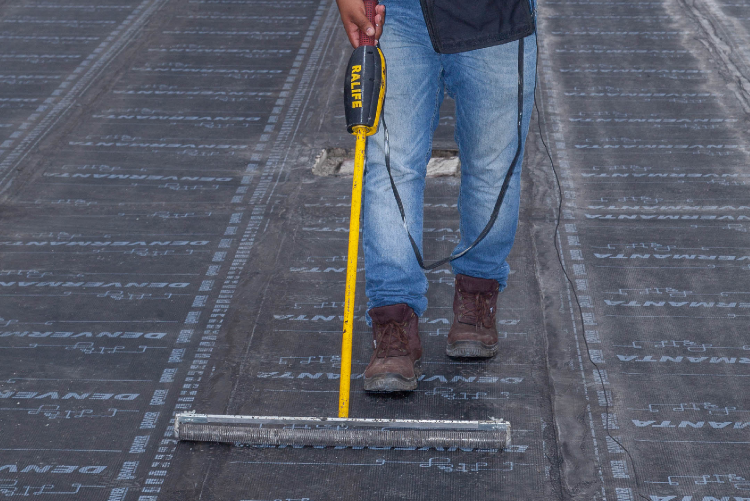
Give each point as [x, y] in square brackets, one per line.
[394, 365]
[473, 333]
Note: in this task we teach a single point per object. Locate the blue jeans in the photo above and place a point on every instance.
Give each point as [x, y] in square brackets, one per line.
[484, 84]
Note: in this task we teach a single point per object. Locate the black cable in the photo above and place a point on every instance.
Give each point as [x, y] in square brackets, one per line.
[500, 197]
[493, 218]
[575, 294]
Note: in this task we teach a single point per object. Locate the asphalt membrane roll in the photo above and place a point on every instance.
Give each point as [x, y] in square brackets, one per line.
[165, 246]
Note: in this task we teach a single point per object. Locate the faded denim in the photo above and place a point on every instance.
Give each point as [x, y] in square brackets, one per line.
[484, 85]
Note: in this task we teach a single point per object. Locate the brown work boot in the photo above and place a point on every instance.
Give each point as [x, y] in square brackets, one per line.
[394, 365]
[473, 333]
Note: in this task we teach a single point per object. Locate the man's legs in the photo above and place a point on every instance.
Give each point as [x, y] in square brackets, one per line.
[484, 84]
[394, 282]
[413, 97]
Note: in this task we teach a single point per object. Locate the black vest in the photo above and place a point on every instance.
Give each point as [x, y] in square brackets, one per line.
[461, 25]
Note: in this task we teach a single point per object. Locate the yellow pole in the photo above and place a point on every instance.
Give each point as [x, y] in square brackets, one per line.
[351, 273]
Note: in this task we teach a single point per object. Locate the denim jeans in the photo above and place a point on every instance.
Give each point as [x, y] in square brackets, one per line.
[484, 84]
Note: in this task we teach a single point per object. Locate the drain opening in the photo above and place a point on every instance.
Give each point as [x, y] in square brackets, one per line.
[340, 162]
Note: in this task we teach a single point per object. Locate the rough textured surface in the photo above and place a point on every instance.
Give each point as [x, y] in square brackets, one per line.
[165, 246]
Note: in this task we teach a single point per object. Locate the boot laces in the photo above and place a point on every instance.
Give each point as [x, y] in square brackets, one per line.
[476, 310]
[391, 340]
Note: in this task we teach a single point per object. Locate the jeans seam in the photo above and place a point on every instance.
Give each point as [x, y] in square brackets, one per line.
[435, 114]
[461, 175]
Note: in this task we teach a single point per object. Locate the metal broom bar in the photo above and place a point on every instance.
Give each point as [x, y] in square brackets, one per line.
[278, 430]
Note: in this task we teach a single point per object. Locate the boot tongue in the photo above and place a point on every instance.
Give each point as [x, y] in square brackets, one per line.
[395, 312]
[474, 285]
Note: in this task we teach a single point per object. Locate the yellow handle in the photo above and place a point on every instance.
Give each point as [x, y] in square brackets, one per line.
[351, 273]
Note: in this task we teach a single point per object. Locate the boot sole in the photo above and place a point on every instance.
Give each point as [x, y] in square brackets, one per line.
[471, 349]
[392, 382]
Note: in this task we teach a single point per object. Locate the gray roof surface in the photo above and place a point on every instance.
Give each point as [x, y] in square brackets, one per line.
[164, 246]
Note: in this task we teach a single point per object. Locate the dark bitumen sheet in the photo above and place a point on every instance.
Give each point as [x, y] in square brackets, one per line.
[165, 247]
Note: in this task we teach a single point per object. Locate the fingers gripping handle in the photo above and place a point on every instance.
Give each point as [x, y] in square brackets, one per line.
[370, 12]
[364, 82]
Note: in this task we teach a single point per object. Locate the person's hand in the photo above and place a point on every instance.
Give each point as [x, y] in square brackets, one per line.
[355, 21]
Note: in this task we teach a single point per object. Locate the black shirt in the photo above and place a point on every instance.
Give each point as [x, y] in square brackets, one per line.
[462, 25]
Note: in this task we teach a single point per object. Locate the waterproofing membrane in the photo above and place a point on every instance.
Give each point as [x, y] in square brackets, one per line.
[164, 247]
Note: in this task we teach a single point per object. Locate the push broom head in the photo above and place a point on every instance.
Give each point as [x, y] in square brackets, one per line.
[312, 431]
